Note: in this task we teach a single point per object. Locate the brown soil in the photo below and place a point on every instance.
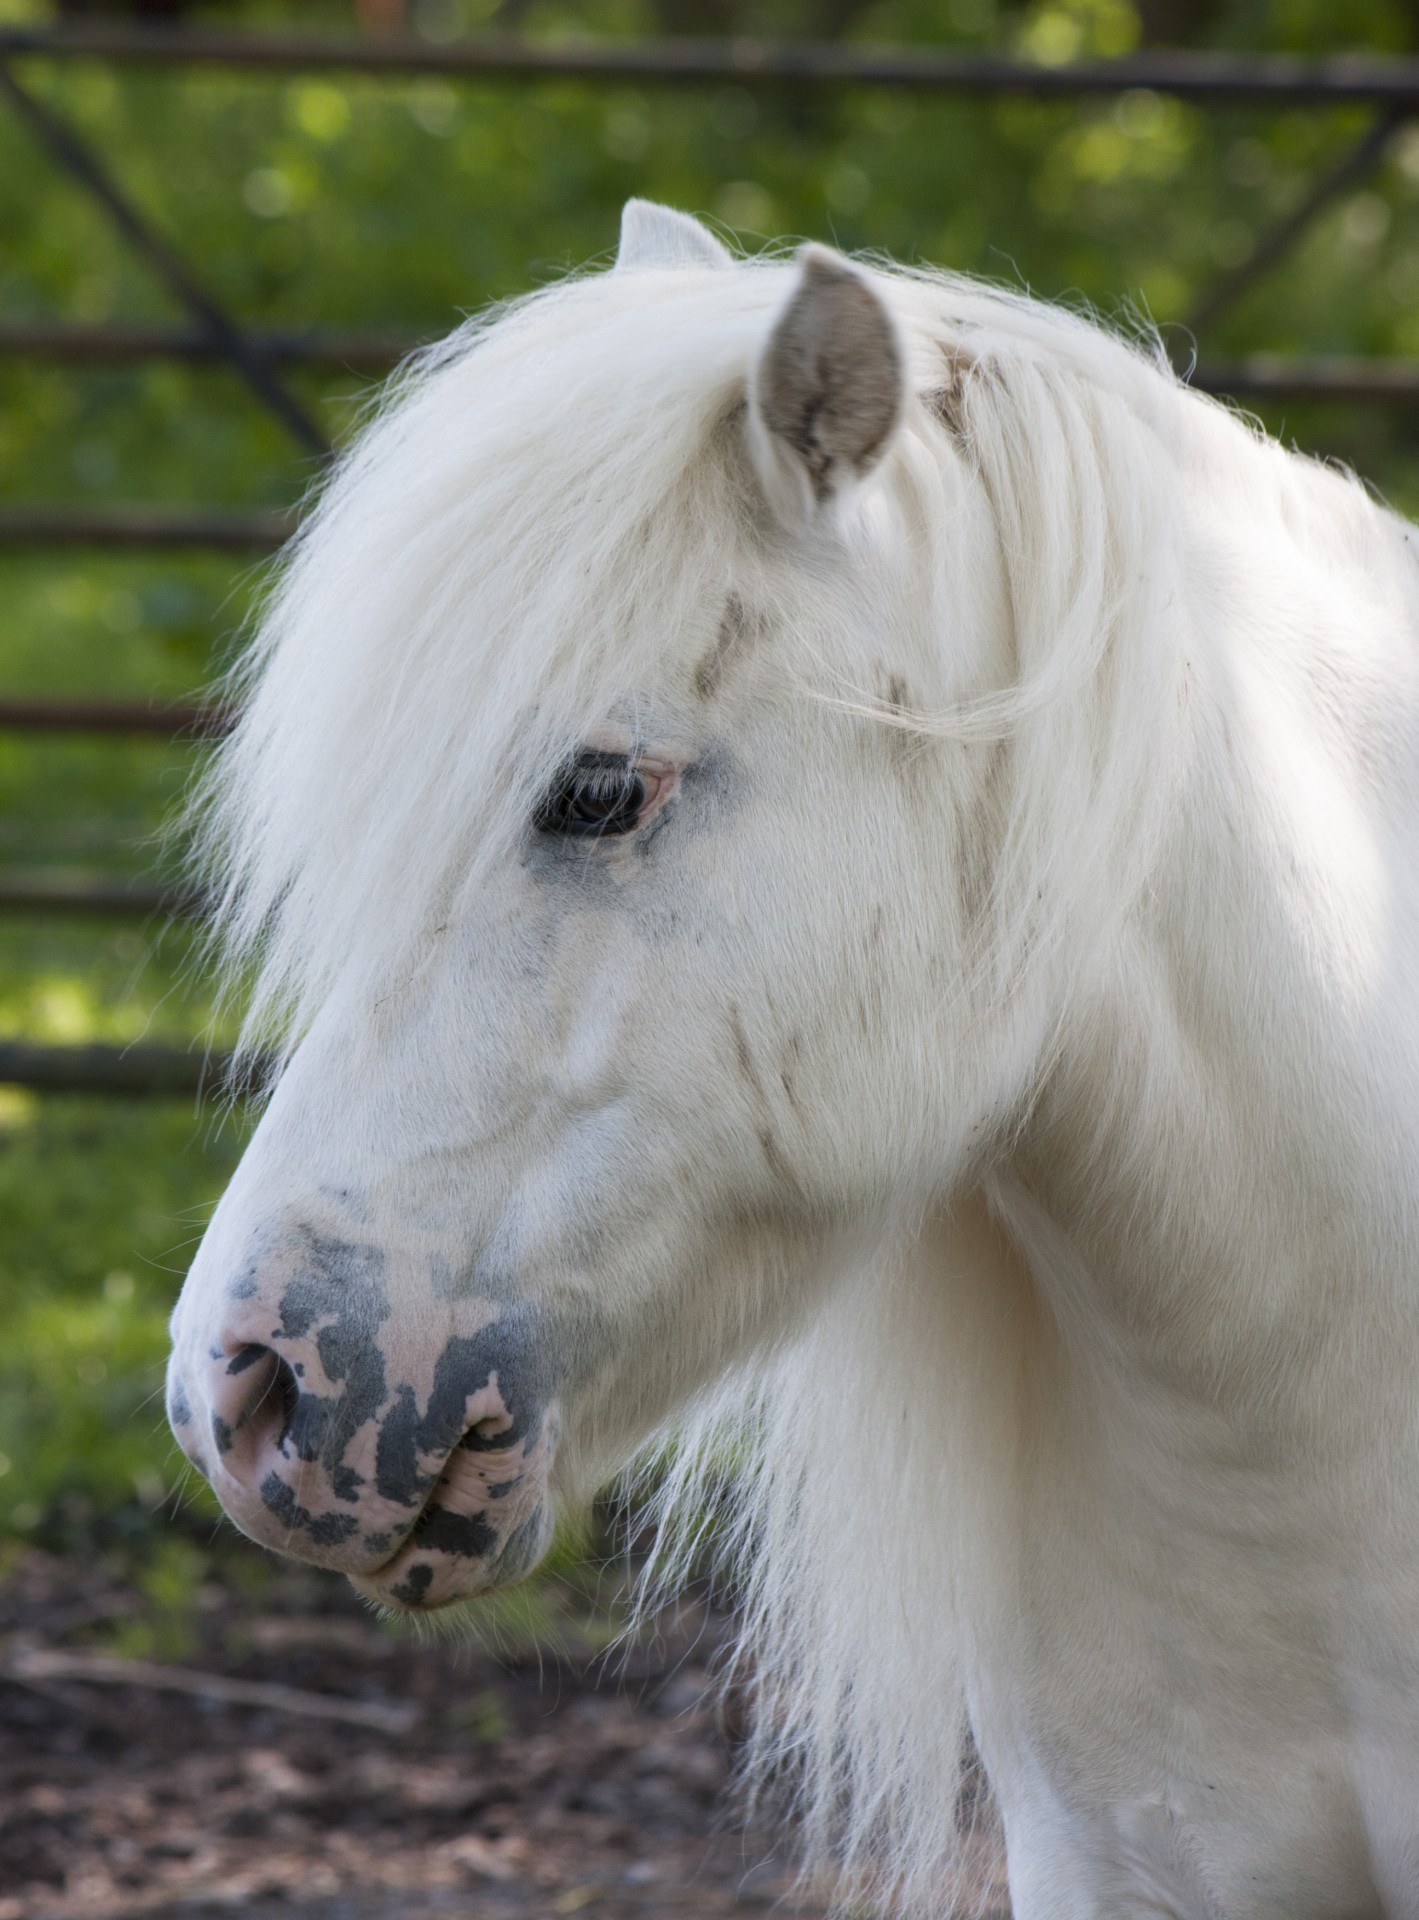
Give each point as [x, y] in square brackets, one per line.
[530, 1784]
[534, 1783]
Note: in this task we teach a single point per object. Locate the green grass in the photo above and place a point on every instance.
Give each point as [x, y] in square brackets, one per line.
[102, 1201]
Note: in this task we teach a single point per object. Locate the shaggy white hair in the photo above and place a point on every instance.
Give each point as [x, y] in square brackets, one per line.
[466, 603]
[457, 608]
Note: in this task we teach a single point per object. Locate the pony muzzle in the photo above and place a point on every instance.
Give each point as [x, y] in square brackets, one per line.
[422, 1498]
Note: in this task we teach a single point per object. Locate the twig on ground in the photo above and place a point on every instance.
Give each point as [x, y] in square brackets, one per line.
[104, 1670]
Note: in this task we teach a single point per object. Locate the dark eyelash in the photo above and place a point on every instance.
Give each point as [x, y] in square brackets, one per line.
[594, 794]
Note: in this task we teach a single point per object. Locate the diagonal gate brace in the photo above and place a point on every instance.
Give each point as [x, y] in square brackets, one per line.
[79, 160]
[1353, 166]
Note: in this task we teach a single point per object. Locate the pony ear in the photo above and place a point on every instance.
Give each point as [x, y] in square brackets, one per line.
[653, 236]
[828, 389]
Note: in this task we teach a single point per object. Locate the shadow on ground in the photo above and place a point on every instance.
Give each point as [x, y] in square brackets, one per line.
[299, 1760]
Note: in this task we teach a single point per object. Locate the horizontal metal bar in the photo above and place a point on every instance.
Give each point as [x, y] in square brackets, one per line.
[114, 716]
[121, 346]
[144, 1068]
[46, 890]
[143, 527]
[1272, 79]
[1270, 376]
[1259, 375]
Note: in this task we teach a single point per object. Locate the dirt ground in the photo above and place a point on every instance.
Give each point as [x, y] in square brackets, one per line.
[453, 1783]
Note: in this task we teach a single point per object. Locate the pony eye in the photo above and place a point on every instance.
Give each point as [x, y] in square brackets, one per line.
[596, 793]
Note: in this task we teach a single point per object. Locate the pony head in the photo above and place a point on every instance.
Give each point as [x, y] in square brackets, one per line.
[642, 952]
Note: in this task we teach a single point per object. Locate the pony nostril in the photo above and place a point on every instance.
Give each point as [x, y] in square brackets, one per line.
[283, 1395]
[257, 1403]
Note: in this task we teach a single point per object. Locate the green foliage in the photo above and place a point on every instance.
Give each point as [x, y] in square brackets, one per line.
[101, 1203]
[400, 205]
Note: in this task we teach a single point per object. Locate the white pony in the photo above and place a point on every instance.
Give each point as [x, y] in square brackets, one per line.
[835, 855]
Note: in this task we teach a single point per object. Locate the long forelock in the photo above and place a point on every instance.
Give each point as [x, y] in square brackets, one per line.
[512, 550]
[506, 555]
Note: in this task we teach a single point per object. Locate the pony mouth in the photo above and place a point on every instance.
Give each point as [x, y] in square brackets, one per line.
[486, 1523]
[422, 1578]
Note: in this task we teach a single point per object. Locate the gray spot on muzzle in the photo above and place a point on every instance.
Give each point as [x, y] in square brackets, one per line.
[441, 1537]
[337, 1279]
[325, 1529]
[467, 1364]
[342, 1285]
[465, 1535]
[411, 1591]
[244, 1287]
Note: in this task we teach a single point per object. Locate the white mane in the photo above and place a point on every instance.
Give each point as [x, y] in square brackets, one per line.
[512, 551]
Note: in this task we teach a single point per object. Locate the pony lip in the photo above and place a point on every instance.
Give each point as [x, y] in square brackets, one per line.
[443, 1563]
[487, 1520]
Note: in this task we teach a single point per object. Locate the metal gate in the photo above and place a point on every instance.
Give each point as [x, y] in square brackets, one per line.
[1388, 88]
